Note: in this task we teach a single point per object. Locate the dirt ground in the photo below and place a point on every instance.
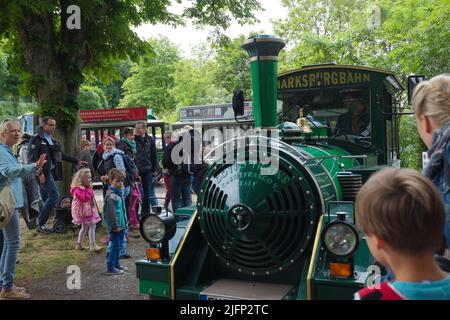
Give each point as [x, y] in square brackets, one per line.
[95, 284]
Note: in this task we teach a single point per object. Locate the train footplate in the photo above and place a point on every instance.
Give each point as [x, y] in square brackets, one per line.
[227, 289]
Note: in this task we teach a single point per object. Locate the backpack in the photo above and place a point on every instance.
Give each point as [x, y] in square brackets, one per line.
[130, 167]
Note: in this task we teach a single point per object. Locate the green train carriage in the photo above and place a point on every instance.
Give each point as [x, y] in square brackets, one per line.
[290, 234]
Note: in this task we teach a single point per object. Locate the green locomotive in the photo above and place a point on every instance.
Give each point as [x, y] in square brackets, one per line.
[284, 228]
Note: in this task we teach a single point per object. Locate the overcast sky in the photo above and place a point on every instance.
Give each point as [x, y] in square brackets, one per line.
[189, 36]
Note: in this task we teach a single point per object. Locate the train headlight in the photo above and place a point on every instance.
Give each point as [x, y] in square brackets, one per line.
[340, 238]
[156, 228]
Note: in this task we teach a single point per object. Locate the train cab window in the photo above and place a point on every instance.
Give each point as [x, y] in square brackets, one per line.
[344, 112]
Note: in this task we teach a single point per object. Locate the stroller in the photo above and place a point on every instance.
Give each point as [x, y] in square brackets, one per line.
[63, 216]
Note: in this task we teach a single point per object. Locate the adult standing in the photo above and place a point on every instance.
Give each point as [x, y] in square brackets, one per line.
[31, 195]
[44, 143]
[11, 172]
[147, 165]
[431, 102]
[179, 164]
[85, 155]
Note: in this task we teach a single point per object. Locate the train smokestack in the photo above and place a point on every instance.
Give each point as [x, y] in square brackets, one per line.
[263, 51]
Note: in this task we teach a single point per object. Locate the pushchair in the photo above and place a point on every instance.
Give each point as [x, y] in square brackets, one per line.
[63, 217]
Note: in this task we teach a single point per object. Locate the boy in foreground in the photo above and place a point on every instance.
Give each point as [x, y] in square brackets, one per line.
[115, 219]
[402, 214]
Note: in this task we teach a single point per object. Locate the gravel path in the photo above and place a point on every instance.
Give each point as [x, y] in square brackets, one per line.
[95, 284]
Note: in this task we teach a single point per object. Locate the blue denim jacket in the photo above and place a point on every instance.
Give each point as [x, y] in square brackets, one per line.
[443, 185]
[11, 172]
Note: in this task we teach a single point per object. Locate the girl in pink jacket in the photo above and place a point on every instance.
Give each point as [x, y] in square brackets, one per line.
[84, 209]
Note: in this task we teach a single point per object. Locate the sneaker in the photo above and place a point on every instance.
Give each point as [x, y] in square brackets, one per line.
[125, 256]
[114, 272]
[19, 288]
[78, 246]
[44, 229]
[122, 268]
[14, 294]
[95, 248]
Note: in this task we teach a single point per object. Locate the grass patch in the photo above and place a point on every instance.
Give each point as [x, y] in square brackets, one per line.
[42, 255]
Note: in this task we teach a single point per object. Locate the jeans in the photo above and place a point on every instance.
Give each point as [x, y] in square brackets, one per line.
[180, 186]
[148, 192]
[123, 248]
[11, 246]
[116, 240]
[50, 196]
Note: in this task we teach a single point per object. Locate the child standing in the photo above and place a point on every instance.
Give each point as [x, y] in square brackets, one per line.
[115, 219]
[403, 226]
[84, 209]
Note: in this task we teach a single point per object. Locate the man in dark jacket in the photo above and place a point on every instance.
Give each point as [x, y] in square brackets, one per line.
[147, 165]
[44, 143]
[179, 164]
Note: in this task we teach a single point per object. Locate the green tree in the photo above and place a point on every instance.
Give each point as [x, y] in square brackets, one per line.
[112, 87]
[411, 146]
[417, 33]
[323, 31]
[151, 80]
[232, 69]
[195, 85]
[12, 104]
[53, 45]
[92, 98]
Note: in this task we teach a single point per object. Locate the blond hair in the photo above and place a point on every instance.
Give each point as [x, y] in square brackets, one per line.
[432, 98]
[76, 180]
[6, 125]
[84, 144]
[403, 208]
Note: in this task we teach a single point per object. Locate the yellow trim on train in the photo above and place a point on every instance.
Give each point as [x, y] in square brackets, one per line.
[311, 264]
[175, 257]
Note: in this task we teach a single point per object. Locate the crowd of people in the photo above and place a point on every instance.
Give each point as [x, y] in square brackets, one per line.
[127, 167]
[407, 224]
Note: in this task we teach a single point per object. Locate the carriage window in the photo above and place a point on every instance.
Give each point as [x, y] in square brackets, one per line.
[344, 112]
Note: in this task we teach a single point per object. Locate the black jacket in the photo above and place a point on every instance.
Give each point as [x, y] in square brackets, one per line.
[146, 154]
[39, 145]
[178, 170]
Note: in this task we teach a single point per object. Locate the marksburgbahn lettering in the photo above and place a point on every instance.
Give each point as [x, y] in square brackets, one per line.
[322, 78]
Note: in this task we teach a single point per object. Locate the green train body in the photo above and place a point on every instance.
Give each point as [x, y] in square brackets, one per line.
[259, 235]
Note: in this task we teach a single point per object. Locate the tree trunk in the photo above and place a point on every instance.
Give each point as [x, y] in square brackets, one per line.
[57, 75]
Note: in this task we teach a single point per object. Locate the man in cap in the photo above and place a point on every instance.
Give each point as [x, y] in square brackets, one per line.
[357, 120]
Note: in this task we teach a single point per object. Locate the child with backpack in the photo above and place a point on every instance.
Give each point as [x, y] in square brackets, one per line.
[114, 158]
[84, 209]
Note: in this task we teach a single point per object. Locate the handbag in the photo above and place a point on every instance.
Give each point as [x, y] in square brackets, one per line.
[7, 205]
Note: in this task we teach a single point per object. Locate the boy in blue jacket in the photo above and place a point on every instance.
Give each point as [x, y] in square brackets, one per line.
[115, 219]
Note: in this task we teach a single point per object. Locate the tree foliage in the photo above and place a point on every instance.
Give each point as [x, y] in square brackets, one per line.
[232, 68]
[152, 79]
[194, 80]
[92, 98]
